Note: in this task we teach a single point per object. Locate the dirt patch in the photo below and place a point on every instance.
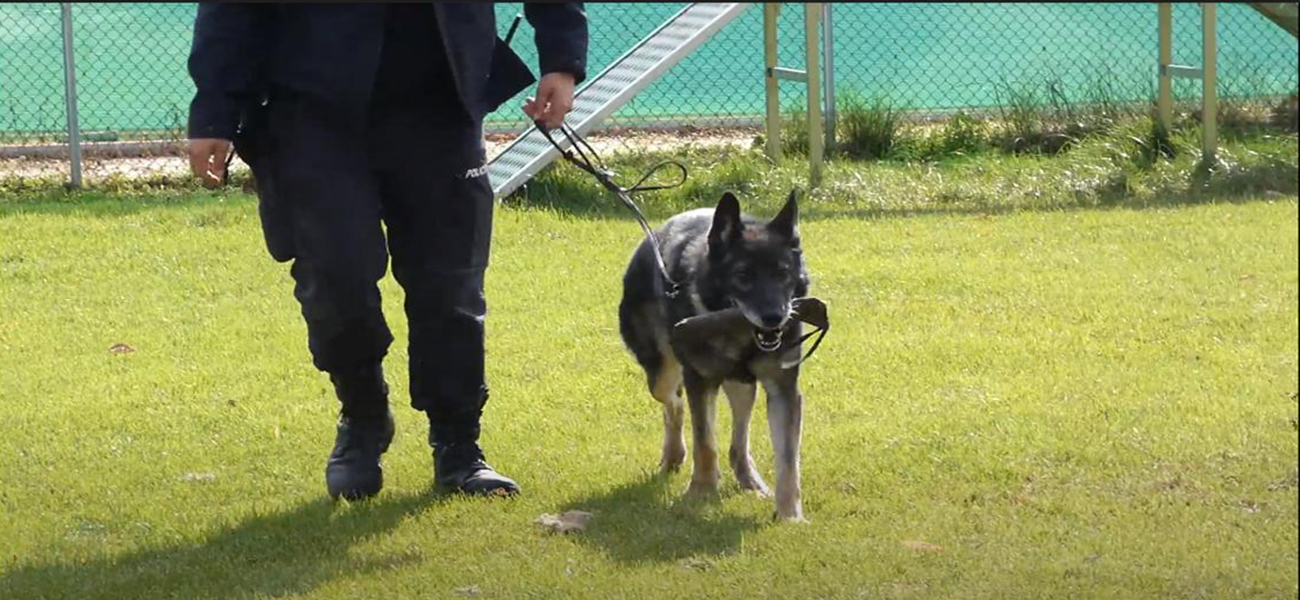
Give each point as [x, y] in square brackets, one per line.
[168, 161]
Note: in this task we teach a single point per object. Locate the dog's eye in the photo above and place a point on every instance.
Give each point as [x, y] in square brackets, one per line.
[744, 277]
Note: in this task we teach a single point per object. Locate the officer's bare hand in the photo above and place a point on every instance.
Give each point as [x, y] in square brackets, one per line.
[553, 101]
[208, 160]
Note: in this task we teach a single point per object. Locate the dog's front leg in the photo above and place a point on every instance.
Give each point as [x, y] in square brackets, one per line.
[702, 395]
[741, 396]
[785, 418]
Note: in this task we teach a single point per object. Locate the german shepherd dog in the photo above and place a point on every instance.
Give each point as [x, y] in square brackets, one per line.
[724, 259]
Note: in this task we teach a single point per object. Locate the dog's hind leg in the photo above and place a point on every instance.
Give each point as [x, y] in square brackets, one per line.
[785, 418]
[666, 387]
[742, 396]
[702, 396]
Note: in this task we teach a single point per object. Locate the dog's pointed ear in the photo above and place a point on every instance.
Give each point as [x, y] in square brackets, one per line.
[726, 221]
[786, 222]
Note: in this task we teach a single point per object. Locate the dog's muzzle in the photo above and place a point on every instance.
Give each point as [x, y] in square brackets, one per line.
[768, 339]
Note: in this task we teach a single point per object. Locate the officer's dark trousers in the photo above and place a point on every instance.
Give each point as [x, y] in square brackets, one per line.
[327, 186]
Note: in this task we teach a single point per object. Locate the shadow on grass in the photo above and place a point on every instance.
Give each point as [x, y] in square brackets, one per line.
[264, 556]
[647, 520]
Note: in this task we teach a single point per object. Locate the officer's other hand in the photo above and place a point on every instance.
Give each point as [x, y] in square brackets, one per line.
[208, 160]
[553, 101]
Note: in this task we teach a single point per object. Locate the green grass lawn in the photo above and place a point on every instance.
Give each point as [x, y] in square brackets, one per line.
[1060, 391]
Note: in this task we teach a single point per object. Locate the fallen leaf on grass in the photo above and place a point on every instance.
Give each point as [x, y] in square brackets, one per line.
[1286, 483]
[87, 529]
[698, 564]
[572, 520]
[120, 348]
[199, 477]
[922, 546]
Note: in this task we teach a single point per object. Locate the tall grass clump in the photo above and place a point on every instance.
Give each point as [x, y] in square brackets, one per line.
[867, 129]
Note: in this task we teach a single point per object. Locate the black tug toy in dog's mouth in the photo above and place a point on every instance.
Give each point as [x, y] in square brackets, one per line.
[730, 321]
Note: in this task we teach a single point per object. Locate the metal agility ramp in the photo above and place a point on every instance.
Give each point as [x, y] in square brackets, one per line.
[1282, 14]
[613, 87]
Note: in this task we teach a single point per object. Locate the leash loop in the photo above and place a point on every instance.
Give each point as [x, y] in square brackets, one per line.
[581, 155]
[818, 331]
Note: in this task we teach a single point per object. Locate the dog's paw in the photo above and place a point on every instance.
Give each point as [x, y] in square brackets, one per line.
[789, 512]
[796, 519]
[699, 489]
[747, 475]
[753, 483]
[672, 458]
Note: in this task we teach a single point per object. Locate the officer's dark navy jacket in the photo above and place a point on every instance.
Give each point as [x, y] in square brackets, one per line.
[331, 53]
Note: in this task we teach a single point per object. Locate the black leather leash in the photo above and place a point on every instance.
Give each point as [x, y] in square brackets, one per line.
[586, 159]
[225, 173]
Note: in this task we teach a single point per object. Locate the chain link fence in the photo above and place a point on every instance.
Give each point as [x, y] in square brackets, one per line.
[133, 90]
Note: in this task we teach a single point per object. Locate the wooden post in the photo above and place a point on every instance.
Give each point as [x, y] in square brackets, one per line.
[1164, 99]
[1209, 89]
[816, 148]
[770, 12]
[828, 54]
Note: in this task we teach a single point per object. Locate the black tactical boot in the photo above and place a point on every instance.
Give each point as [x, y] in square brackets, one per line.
[354, 470]
[460, 466]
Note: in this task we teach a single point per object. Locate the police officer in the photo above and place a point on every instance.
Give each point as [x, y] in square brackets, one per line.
[353, 115]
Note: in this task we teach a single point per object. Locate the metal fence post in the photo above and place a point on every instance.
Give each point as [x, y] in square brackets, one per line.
[828, 51]
[70, 96]
[1209, 88]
